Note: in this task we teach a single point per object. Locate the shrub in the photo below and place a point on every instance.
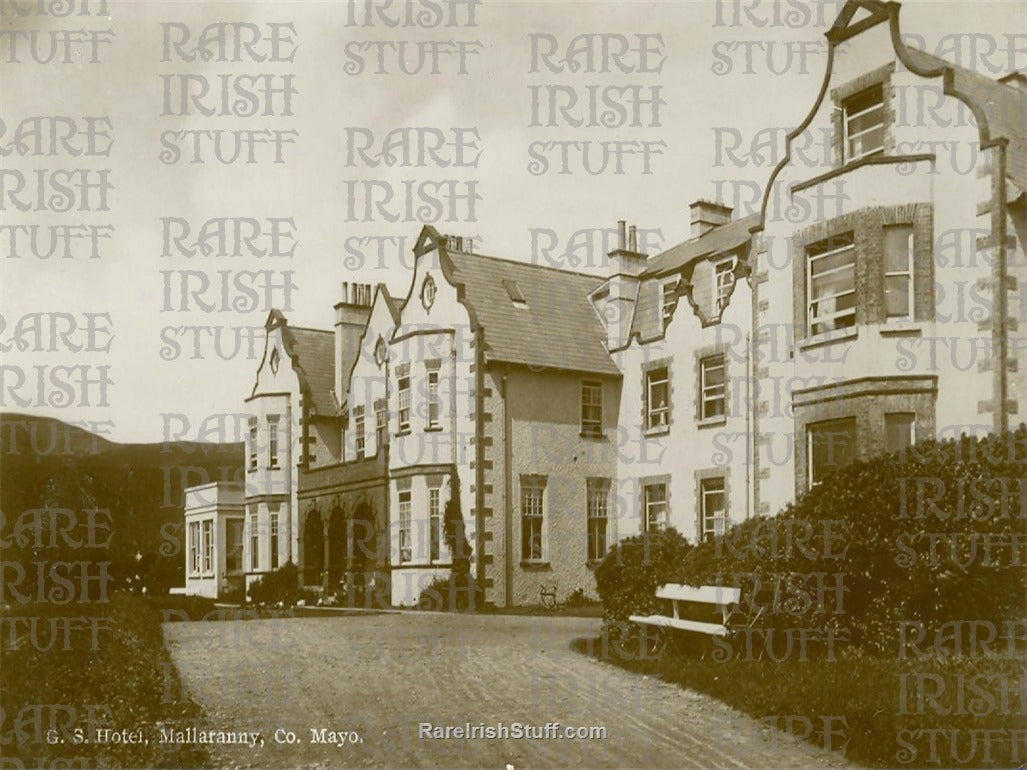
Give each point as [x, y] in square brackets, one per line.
[126, 667]
[629, 574]
[457, 592]
[280, 585]
[578, 599]
[902, 536]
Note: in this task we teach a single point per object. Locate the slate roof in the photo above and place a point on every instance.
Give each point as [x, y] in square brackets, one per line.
[1004, 106]
[558, 329]
[647, 318]
[727, 237]
[313, 358]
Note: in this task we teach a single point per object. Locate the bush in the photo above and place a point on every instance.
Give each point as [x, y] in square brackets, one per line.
[578, 599]
[629, 574]
[897, 538]
[125, 669]
[456, 592]
[281, 585]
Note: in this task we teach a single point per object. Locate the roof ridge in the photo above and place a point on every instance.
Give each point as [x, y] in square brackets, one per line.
[695, 238]
[962, 68]
[311, 329]
[529, 264]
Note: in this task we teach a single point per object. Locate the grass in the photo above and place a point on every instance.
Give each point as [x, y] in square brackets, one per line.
[882, 712]
[113, 672]
[562, 611]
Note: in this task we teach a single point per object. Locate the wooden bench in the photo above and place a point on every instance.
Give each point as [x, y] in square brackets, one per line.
[723, 598]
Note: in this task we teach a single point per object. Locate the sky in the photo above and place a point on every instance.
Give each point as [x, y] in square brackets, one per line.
[492, 104]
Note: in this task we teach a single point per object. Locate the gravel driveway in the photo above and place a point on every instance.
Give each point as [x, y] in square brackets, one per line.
[382, 676]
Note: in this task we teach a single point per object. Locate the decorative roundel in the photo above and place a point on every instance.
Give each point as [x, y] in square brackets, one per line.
[428, 292]
[379, 351]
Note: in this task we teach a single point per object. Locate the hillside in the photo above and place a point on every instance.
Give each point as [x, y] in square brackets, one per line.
[47, 463]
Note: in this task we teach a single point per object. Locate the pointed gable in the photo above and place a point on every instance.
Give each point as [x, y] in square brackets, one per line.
[311, 356]
[532, 315]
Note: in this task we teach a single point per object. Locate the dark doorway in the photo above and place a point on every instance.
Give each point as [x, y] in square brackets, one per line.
[363, 563]
[313, 549]
[336, 548]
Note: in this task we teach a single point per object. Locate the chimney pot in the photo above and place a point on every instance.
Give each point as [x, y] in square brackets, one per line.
[621, 235]
[633, 239]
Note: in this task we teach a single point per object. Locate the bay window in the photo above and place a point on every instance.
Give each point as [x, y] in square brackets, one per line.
[899, 431]
[830, 445]
[273, 536]
[406, 552]
[194, 547]
[272, 441]
[435, 523]
[433, 398]
[254, 543]
[403, 390]
[898, 272]
[208, 546]
[831, 284]
[253, 443]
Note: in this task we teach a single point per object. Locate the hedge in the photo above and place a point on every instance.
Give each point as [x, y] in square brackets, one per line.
[869, 548]
[864, 553]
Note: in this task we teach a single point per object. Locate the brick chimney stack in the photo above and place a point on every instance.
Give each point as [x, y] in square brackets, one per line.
[351, 315]
[707, 215]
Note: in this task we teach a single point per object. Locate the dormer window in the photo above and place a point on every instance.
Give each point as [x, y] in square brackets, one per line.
[863, 122]
[669, 299]
[514, 292]
[724, 272]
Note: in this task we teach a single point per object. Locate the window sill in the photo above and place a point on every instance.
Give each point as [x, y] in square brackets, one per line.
[661, 430]
[403, 432]
[433, 429]
[424, 564]
[600, 436]
[902, 328]
[535, 565]
[711, 422]
[829, 338]
[274, 467]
